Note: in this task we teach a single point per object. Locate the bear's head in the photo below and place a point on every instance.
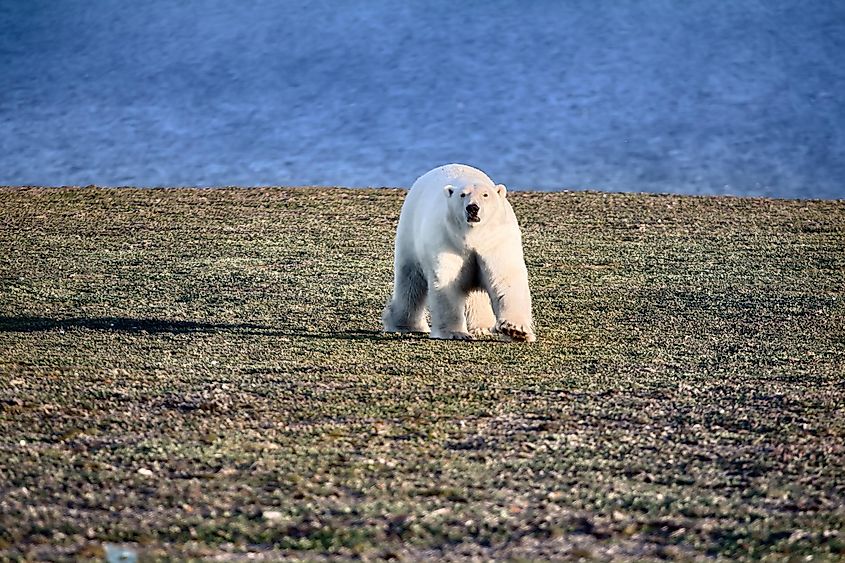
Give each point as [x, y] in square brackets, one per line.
[476, 204]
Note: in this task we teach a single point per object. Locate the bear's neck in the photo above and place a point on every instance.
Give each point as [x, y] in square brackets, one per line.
[467, 238]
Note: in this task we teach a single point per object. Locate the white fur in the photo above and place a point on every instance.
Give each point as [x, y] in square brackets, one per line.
[472, 274]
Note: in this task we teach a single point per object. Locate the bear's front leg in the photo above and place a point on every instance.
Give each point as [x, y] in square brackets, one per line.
[506, 279]
[514, 317]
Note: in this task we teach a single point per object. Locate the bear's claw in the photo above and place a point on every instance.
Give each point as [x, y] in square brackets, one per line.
[517, 333]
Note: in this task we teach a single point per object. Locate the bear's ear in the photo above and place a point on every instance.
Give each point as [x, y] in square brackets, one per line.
[501, 190]
[448, 189]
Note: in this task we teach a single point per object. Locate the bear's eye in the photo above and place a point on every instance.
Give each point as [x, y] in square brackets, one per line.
[485, 195]
[463, 195]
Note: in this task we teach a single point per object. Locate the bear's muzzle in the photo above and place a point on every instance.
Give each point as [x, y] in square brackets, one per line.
[472, 213]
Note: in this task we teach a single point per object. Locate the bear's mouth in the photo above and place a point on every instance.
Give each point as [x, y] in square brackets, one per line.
[473, 218]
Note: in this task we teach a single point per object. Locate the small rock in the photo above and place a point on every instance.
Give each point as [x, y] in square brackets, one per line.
[145, 472]
[271, 515]
[618, 515]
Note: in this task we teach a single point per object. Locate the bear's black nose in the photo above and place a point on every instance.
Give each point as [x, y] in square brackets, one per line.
[472, 209]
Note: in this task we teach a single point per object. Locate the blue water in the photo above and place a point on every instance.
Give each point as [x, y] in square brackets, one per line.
[699, 97]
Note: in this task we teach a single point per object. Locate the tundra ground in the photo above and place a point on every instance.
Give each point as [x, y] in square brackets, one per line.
[201, 373]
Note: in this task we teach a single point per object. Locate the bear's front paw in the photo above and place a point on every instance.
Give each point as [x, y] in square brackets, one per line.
[451, 335]
[517, 333]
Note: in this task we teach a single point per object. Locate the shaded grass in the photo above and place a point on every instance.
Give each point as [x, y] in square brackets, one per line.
[201, 373]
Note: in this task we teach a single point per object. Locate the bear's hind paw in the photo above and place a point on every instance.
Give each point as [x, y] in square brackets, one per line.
[481, 332]
[407, 329]
[516, 333]
[451, 335]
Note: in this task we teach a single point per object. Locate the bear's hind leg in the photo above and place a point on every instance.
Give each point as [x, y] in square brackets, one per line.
[480, 318]
[447, 314]
[406, 310]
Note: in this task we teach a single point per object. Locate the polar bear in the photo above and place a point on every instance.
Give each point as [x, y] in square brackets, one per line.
[458, 246]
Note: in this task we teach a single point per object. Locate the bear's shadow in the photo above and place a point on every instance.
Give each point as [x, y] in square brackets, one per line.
[168, 326]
